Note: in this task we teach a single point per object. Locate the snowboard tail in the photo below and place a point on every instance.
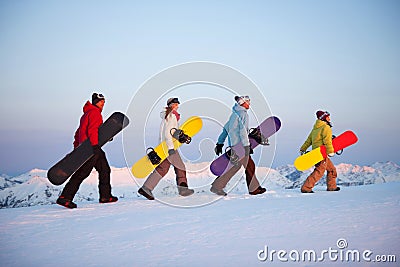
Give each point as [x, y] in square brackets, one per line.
[143, 167]
[63, 169]
[318, 154]
[257, 136]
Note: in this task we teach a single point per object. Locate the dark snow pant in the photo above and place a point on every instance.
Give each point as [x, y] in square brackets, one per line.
[162, 169]
[250, 171]
[100, 163]
[319, 171]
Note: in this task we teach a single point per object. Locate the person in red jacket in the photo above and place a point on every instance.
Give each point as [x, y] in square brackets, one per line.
[89, 129]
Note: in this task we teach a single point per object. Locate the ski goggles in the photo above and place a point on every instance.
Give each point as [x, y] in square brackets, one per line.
[100, 96]
[324, 115]
[246, 98]
[243, 99]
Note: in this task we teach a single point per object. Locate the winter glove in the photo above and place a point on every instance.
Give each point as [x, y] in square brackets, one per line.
[96, 150]
[218, 149]
[171, 152]
[331, 154]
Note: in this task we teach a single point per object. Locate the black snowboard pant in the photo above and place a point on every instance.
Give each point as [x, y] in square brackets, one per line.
[100, 163]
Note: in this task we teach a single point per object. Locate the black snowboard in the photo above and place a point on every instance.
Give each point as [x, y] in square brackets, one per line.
[63, 169]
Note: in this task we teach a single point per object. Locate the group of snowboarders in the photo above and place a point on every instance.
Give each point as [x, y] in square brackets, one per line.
[236, 130]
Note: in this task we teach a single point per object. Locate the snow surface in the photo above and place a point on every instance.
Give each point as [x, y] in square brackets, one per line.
[229, 232]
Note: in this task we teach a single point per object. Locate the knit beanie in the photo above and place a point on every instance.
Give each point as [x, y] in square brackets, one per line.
[97, 98]
[321, 115]
[172, 100]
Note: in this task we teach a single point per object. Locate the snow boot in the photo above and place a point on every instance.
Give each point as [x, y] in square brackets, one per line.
[335, 189]
[144, 191]
[306, 192]
[108, 199]
[66, 202]
[184, 190]
[219, 192]
[260, 190]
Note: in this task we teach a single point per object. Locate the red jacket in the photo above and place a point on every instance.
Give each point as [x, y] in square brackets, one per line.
[89, 125]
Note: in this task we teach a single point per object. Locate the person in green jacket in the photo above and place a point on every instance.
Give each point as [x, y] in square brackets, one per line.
[321, 134]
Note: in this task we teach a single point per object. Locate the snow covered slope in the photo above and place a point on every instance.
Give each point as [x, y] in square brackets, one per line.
[238, 230]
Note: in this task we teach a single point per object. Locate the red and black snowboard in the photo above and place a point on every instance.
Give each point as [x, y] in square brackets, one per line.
[257, 136]
[63, 169]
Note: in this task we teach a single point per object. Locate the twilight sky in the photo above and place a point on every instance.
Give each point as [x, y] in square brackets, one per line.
[341, 56]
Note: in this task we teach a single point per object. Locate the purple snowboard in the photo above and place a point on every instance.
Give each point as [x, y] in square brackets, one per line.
[267, 128]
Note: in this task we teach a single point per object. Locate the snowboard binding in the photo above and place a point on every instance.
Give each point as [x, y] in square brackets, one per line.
[232, 156]
[181, 136]
[340, 151]
[256, 134]
[153, 156]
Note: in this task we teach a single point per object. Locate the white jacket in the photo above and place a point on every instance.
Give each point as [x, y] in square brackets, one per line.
[165, 129]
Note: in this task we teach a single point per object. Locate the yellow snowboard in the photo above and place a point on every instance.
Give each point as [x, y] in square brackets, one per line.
[309, 159]
[143, 167]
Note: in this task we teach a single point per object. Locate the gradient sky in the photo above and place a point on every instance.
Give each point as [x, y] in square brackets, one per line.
[342, 56]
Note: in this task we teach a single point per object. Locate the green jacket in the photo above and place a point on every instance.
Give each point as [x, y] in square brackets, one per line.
[321, 134]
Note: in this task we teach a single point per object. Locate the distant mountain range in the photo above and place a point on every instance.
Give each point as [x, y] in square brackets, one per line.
[33, 188]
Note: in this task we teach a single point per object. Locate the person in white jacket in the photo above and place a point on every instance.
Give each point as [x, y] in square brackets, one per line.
[170, 118]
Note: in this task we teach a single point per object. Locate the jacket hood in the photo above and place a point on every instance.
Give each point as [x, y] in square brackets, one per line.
[89, 106]
[162, 113]
[319, 124]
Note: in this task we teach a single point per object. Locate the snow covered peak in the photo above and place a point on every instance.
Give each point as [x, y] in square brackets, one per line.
[33, 188]
[37, 171]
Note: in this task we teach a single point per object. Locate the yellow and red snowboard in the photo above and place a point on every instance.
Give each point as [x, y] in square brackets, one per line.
[316, 155]
[143, 167]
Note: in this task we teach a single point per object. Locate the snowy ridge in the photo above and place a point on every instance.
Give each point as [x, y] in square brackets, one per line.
[33, 188]
[348, 174]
